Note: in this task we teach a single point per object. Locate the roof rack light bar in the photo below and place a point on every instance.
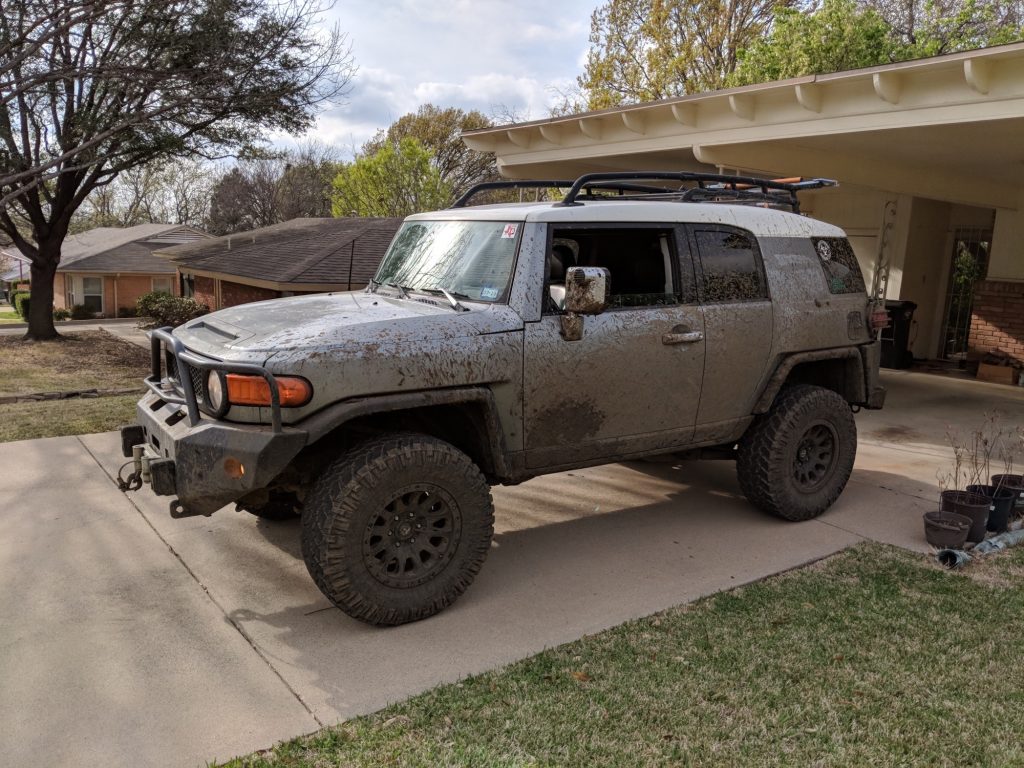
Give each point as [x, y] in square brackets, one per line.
[486, 186]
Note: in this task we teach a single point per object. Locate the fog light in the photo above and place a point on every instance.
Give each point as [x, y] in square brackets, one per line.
[233, 468]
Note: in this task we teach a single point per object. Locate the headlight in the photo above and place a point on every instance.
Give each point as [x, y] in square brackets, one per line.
[215, 390]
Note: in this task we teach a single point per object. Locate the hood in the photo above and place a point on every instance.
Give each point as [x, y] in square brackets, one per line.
[254, 332]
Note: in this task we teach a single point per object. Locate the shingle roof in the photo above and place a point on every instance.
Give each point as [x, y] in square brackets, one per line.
[300, 251]
[128, 249]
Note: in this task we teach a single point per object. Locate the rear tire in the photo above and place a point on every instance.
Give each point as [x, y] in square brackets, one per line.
[397, 528]
[795, 460]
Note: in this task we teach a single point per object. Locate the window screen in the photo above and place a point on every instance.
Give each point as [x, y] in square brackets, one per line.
[731, 265]
[842, 272]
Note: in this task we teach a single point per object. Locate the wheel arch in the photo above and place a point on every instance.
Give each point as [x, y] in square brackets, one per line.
[465, 417]
[840, 370]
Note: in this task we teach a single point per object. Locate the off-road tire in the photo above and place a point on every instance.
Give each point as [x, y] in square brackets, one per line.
[343, 514]
[280, 507]
[768, 461]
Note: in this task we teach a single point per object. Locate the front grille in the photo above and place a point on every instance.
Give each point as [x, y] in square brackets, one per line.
[195, 375]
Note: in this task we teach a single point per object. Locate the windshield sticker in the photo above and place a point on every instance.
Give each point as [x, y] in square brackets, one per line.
[509, 231]
[488, 292]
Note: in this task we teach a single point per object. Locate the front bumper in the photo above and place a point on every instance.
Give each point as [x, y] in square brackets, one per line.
[205, 462]
[208, 465]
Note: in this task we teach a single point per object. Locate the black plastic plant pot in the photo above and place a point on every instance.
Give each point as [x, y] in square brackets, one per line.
[972, 505]
[946, 530]
[1014, 483]
[1000, 505]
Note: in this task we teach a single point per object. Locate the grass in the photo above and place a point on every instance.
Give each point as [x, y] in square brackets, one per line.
[873, 657]
[80, 361]
[56, 418]
[86, 360]
[9, 316]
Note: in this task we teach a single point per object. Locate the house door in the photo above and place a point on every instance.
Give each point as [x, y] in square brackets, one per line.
[969, 265]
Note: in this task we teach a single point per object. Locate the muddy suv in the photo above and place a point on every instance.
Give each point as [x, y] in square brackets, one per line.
[642, 314]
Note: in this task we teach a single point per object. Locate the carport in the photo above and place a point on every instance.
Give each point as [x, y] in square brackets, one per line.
[928, 154]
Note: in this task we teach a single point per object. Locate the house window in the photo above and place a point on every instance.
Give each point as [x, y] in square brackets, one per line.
[161, 285]
[92, 294]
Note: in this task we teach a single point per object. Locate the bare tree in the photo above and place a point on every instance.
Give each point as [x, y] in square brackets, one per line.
[92, 88]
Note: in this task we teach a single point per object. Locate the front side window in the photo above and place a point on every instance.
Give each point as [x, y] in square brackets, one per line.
[161, 285]
[639, 260]
[731, 265]
[469, 259]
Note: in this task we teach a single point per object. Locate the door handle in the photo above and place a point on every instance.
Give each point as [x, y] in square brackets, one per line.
[687, 337]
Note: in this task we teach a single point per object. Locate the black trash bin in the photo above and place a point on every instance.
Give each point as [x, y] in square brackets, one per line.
[896, 338]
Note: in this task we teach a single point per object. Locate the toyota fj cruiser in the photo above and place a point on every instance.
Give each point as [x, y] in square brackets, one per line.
[643, 314]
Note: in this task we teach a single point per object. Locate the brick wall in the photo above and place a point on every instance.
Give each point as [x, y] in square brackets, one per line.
[237, 293]
[131, 287]
[997, 318]
[205, 292]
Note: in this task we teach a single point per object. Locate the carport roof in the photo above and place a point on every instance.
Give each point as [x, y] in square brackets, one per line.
[947, 127]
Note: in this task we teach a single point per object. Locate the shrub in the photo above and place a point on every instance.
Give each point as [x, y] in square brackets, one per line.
[60, 313]
[164, 309]
[21, 305]
[81, 312]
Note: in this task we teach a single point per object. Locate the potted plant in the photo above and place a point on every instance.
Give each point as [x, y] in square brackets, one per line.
[954, 496]
[1008, 480]
[988, 441]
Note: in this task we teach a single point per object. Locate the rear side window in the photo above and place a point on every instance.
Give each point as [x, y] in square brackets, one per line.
[842, 272]
[731, 265]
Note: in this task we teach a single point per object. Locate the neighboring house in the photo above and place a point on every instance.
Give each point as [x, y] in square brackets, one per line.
[929, 155]
[107, 269]
[297, 256]
[14, 270]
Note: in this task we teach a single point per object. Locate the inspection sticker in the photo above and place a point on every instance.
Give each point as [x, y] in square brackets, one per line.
[489, 293]
[509, 231]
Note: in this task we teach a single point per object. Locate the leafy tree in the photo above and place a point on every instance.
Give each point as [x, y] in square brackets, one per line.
[439, 131]
[838, 36]
[396, 180]
[92, 88]
[644, 50]
[841, 35]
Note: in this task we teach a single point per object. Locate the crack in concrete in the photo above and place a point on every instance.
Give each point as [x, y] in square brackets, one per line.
[238, 627]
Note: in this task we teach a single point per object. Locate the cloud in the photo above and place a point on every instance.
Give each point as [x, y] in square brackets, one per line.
[471, 54]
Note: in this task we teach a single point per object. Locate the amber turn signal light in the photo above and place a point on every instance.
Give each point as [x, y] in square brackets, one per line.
[254, 390]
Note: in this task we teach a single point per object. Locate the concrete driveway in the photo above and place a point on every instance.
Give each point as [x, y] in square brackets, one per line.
[132, 639]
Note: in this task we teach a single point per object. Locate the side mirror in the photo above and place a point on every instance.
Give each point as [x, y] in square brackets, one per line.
[586, 290]
[586, 293]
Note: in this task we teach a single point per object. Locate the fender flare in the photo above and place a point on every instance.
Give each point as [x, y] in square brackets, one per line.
[777, 379]
[325, 421]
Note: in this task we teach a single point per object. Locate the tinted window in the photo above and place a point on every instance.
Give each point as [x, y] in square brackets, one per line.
[731, 265]
[842, 272]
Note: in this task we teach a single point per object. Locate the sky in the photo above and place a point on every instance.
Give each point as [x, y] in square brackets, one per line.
[496, 56]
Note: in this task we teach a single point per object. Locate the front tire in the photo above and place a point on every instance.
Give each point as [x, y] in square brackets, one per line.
[795, 460]
[397, 528]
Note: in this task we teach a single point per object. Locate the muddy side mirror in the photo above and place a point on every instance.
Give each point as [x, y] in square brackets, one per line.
[586, 293]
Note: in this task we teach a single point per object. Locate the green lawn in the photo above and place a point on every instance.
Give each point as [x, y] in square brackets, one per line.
[9, 316]
[874, 657]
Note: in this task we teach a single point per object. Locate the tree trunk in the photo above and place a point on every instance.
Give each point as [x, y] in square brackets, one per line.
[40, 310]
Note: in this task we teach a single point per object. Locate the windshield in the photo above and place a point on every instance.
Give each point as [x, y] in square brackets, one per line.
[469, 259]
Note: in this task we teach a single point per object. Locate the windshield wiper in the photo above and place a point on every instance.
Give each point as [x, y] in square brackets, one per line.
[372, 286]
[402, 290]
[451, 296]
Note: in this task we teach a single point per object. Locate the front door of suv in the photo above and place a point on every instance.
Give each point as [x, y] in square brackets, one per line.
[633, 382]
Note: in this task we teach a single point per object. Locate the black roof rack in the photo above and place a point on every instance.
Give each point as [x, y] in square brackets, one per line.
[706, 187]
[486, 186]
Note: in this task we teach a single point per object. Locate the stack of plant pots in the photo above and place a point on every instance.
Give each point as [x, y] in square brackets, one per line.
[974, 506]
